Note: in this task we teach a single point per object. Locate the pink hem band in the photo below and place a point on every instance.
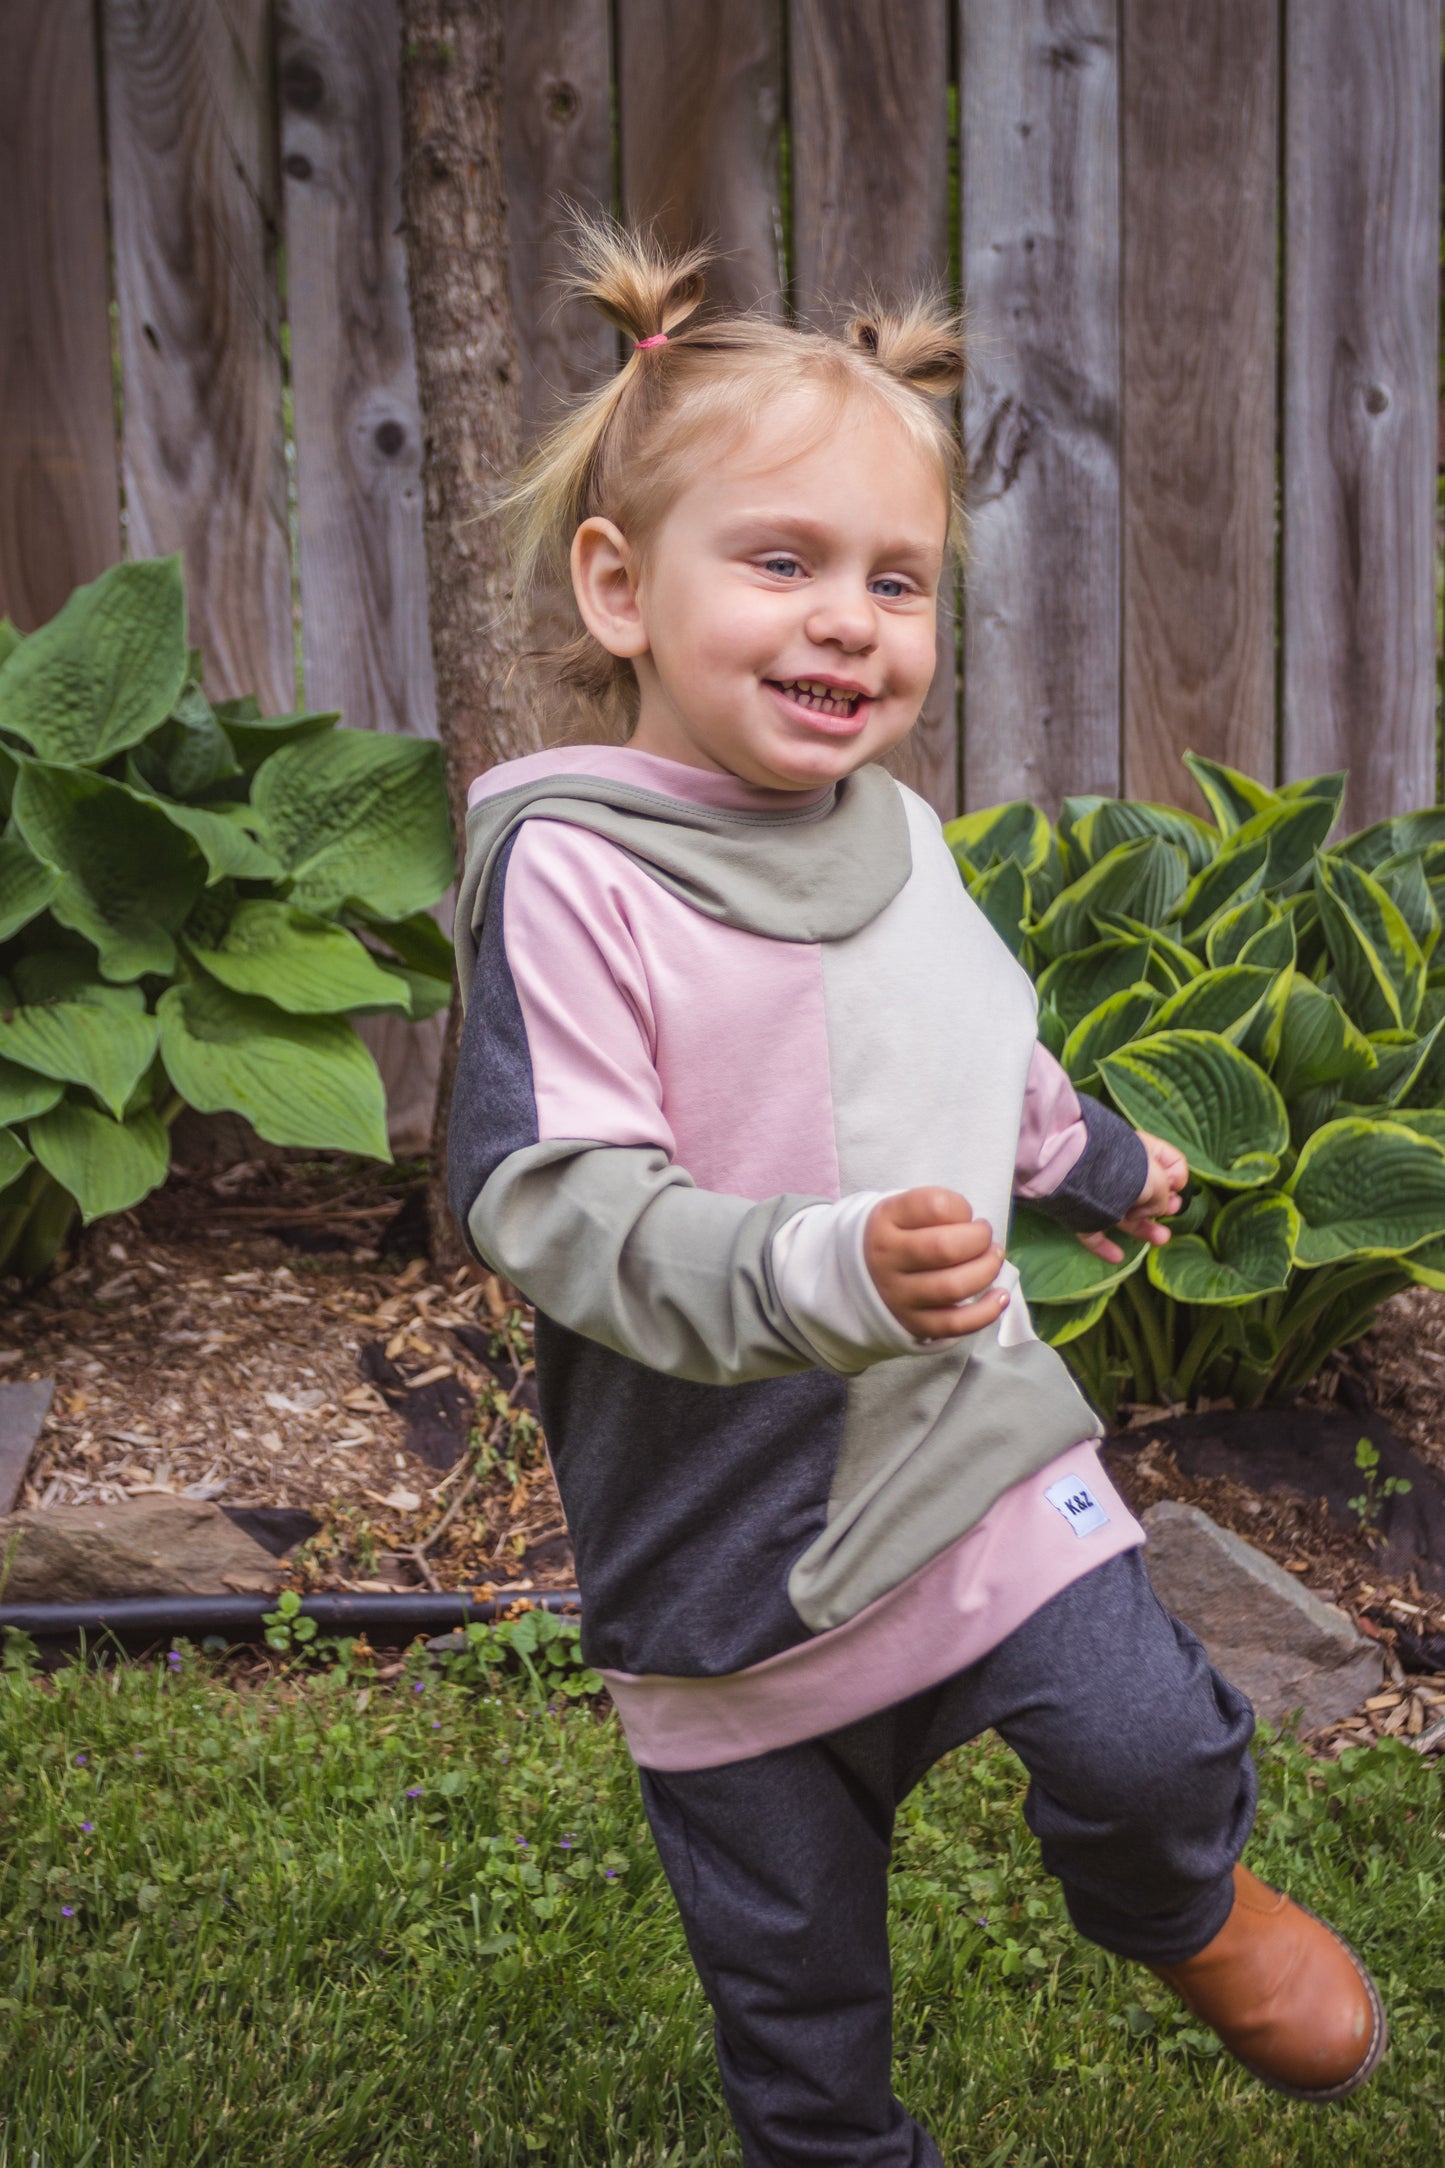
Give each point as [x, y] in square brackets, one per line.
[946, 1616]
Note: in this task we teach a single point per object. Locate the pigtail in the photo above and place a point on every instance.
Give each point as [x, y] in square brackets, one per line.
[635, 283]
[920, 345]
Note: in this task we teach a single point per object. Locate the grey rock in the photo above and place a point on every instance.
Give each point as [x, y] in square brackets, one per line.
[157, 1545]
[1285, 1648]
[24, 1405]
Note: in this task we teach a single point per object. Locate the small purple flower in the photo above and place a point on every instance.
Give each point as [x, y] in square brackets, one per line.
[414, 1791]
[436, 1723]
[612, 1874]
[80, 1761]
[174, 1658]
[420, 1687]
[87, 1827]
[524, 1844]
[982, 1920]
[566, 1844]
[67, 1912]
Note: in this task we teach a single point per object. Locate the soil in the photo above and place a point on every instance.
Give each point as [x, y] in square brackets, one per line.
[271, 1336]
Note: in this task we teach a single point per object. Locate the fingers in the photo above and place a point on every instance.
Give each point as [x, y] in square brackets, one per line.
[951, 1322]
[926, 1208]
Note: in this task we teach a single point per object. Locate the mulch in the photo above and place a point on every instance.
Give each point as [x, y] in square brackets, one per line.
[270, 1335]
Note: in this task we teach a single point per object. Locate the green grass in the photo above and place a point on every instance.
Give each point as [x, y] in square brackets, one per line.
[315, 1923]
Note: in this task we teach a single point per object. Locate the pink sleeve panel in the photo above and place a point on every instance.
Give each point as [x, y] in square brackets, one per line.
[583, 992]
[1052, 1135]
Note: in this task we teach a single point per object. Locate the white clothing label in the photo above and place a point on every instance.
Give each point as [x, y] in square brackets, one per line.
[1072, 1497]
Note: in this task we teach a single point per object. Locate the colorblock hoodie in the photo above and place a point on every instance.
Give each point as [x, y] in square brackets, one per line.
[707, 1027]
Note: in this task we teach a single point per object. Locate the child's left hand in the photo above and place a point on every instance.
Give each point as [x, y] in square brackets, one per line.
[1158, 1200]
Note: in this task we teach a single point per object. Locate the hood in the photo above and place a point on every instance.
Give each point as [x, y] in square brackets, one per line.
[815, 874]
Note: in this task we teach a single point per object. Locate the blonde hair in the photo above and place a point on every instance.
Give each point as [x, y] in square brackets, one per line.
[626, 452]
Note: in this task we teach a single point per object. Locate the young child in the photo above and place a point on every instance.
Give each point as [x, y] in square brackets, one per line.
[746, 1084]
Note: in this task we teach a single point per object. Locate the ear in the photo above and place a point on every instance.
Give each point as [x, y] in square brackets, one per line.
[603, 582]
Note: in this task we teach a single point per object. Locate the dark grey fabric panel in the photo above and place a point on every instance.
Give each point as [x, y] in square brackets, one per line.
[1105, 1181]
[687, 1503]
[494, 1104]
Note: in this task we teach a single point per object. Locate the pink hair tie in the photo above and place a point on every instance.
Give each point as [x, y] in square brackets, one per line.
[659, 338]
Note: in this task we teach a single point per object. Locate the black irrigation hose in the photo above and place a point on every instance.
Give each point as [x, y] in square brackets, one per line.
[143, 1621]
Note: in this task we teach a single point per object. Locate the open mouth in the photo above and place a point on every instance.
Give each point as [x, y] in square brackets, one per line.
[821, 699]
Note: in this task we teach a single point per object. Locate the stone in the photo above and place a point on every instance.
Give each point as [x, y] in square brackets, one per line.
[156, 1545]
[24, 1405]
[1284, 1647]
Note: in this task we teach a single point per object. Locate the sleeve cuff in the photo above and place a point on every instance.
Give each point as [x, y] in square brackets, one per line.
[1106, 1180]
[824, 1284]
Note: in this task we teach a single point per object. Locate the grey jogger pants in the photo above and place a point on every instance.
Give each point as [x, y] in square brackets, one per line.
[1141, 1795]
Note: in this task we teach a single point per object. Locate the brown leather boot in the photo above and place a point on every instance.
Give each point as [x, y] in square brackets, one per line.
[1285, 1995]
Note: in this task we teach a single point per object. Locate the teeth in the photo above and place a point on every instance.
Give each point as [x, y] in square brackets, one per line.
[811, 693]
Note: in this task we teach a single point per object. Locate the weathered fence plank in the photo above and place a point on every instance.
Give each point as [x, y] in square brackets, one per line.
[1199, 163]
[1040, 237]
[357, 419]
[869, 134]
[353, 369]
[700, 100]
[557, 153]
[1362, 107]
[59, 494]
[193, 218]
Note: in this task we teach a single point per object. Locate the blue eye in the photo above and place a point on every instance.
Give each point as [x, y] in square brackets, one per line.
[895, 589]
[783, 566]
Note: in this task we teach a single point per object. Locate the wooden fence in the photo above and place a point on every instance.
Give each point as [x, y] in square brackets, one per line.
[1199, 242]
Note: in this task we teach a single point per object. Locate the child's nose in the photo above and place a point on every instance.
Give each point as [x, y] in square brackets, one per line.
[844, 618]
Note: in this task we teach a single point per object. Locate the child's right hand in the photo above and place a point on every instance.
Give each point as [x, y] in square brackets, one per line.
[933, 1263]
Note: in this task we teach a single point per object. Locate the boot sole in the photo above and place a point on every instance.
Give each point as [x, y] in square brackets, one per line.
[1321, 2096]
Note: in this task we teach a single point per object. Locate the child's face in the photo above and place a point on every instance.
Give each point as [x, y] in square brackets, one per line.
[782, 624]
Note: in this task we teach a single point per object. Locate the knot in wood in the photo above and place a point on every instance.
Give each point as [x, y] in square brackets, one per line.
[1376, 399]
[561, 101]
[302, 85]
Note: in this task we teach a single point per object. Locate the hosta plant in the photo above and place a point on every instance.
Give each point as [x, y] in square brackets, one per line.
[1273, 1002]
[195, 898]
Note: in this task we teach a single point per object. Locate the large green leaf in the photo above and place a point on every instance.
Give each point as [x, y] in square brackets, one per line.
[1233, 877]
[105, 670]
[358, 813]
[1232, 931]
[105, 1047]
[1113, 1024]
[1404, 882]
[417, 940]
[1231, 797]
[1017, 832]
[1376, 958]
[69, 974]
[308, 966]
[1002, 894]
[24, 1092]
[1076, 984]
[1121, 820]
[190, 755]
[1391, 838]
[14, 1158]
[1143, 877]
[1216, 1000]
[1206, 1097]
[26, 886]
[222, 833]
[1054, 1266]
[1250, 1254]
[1060, 1322]
[1367, 1189]
[297, 1079]
[1401, 1059]
[128, 877]
[107, 1166]
[1318, 1043]
[255, 737]
[1424, 1121]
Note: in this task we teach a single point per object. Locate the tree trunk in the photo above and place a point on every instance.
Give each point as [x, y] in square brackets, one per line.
[456, 239]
